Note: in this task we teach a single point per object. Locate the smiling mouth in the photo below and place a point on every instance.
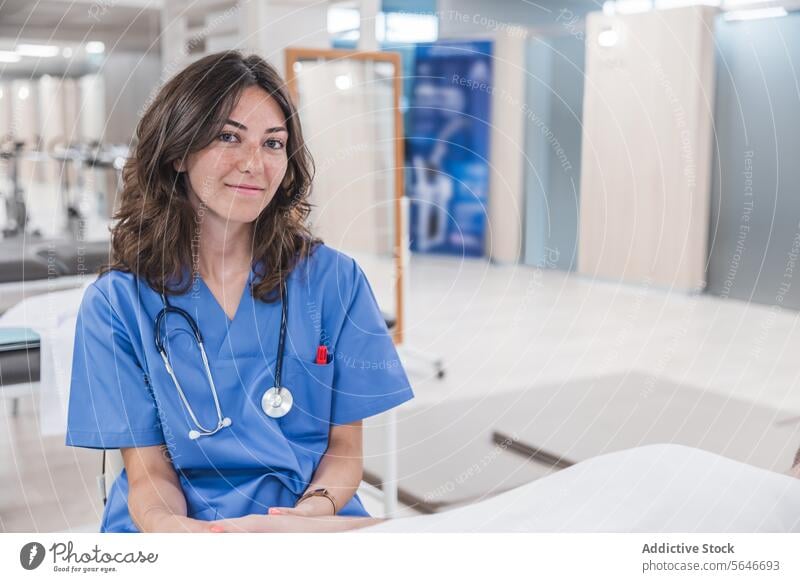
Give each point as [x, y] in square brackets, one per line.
[245, 189]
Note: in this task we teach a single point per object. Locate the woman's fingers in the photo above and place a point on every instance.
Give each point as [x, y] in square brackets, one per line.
[285, 511]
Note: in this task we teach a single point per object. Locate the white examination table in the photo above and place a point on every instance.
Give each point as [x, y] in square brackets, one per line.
[656, 488]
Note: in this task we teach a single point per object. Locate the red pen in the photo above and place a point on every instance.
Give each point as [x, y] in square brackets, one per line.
[322, 355]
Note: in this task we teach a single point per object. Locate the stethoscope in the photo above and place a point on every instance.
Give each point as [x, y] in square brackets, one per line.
[276, 402]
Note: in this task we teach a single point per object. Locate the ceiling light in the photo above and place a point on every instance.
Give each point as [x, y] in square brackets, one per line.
[95, 47]
[9, 57]
[37, 50]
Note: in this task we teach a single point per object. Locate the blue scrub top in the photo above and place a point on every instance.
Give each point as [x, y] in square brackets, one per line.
[122, 396]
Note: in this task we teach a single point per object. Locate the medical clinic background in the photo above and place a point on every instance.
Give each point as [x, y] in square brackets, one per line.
[558, 272]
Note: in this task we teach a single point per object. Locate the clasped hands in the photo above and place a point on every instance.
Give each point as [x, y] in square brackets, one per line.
[279, 519]
[313, 514]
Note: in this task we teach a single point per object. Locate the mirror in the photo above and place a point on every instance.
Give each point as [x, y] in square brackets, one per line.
[349, 106]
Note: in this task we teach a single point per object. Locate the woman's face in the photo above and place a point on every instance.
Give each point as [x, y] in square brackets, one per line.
[237, 175]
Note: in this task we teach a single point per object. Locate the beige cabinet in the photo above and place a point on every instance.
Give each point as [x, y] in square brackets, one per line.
[646, 148]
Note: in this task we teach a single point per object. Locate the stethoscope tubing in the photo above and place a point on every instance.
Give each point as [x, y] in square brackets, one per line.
[222, 421]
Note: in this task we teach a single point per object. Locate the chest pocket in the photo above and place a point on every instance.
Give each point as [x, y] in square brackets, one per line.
[311, 387]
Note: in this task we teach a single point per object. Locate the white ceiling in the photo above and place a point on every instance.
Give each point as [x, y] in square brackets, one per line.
[124, 24]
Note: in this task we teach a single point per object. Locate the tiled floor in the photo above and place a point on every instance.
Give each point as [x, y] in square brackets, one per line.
[513, 327]
[45, 485]
[499, 329]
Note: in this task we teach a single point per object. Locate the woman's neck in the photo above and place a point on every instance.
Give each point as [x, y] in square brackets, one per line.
[224, 248]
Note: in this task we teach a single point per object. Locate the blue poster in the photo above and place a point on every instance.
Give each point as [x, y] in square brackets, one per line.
[447, 149]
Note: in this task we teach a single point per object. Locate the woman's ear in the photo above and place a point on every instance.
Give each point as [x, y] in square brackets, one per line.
[179, 165]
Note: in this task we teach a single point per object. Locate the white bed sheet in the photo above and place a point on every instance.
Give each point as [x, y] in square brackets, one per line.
[657, 488]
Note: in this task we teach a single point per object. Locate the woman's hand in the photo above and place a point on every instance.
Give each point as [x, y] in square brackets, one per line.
[170, 523]
[255, 523]
[290, 524]
[315, 506]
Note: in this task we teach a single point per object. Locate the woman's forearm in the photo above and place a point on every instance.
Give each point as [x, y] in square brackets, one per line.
[327, 524]
[293, 523]
[152, 500]
[339, 471]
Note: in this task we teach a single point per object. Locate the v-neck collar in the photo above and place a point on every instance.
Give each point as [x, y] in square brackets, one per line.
[246, 292]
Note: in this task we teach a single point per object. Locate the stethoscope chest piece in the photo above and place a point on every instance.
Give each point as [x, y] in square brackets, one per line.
[276, 402]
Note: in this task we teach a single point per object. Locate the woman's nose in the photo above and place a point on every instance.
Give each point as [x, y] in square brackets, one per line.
[251, 159]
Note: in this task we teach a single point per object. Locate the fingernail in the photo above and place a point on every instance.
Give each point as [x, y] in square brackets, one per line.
[217, 529]
[274, 511]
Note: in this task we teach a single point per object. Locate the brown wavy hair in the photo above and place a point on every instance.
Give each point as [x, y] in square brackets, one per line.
[153, 236]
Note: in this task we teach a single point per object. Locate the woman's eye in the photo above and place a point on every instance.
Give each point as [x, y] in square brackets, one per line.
[227, 137]
[274, 144]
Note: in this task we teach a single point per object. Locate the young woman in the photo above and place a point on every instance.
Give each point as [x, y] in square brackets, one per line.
[230, 355]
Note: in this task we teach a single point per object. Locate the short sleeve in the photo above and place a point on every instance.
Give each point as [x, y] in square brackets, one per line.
[110, 403]
[368, 375]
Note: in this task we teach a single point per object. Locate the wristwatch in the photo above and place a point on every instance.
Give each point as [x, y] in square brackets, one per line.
[318, 493]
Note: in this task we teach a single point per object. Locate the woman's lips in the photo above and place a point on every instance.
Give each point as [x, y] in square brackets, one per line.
[246, 190]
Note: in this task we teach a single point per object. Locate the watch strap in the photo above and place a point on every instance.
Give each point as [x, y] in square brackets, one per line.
[318, 493]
